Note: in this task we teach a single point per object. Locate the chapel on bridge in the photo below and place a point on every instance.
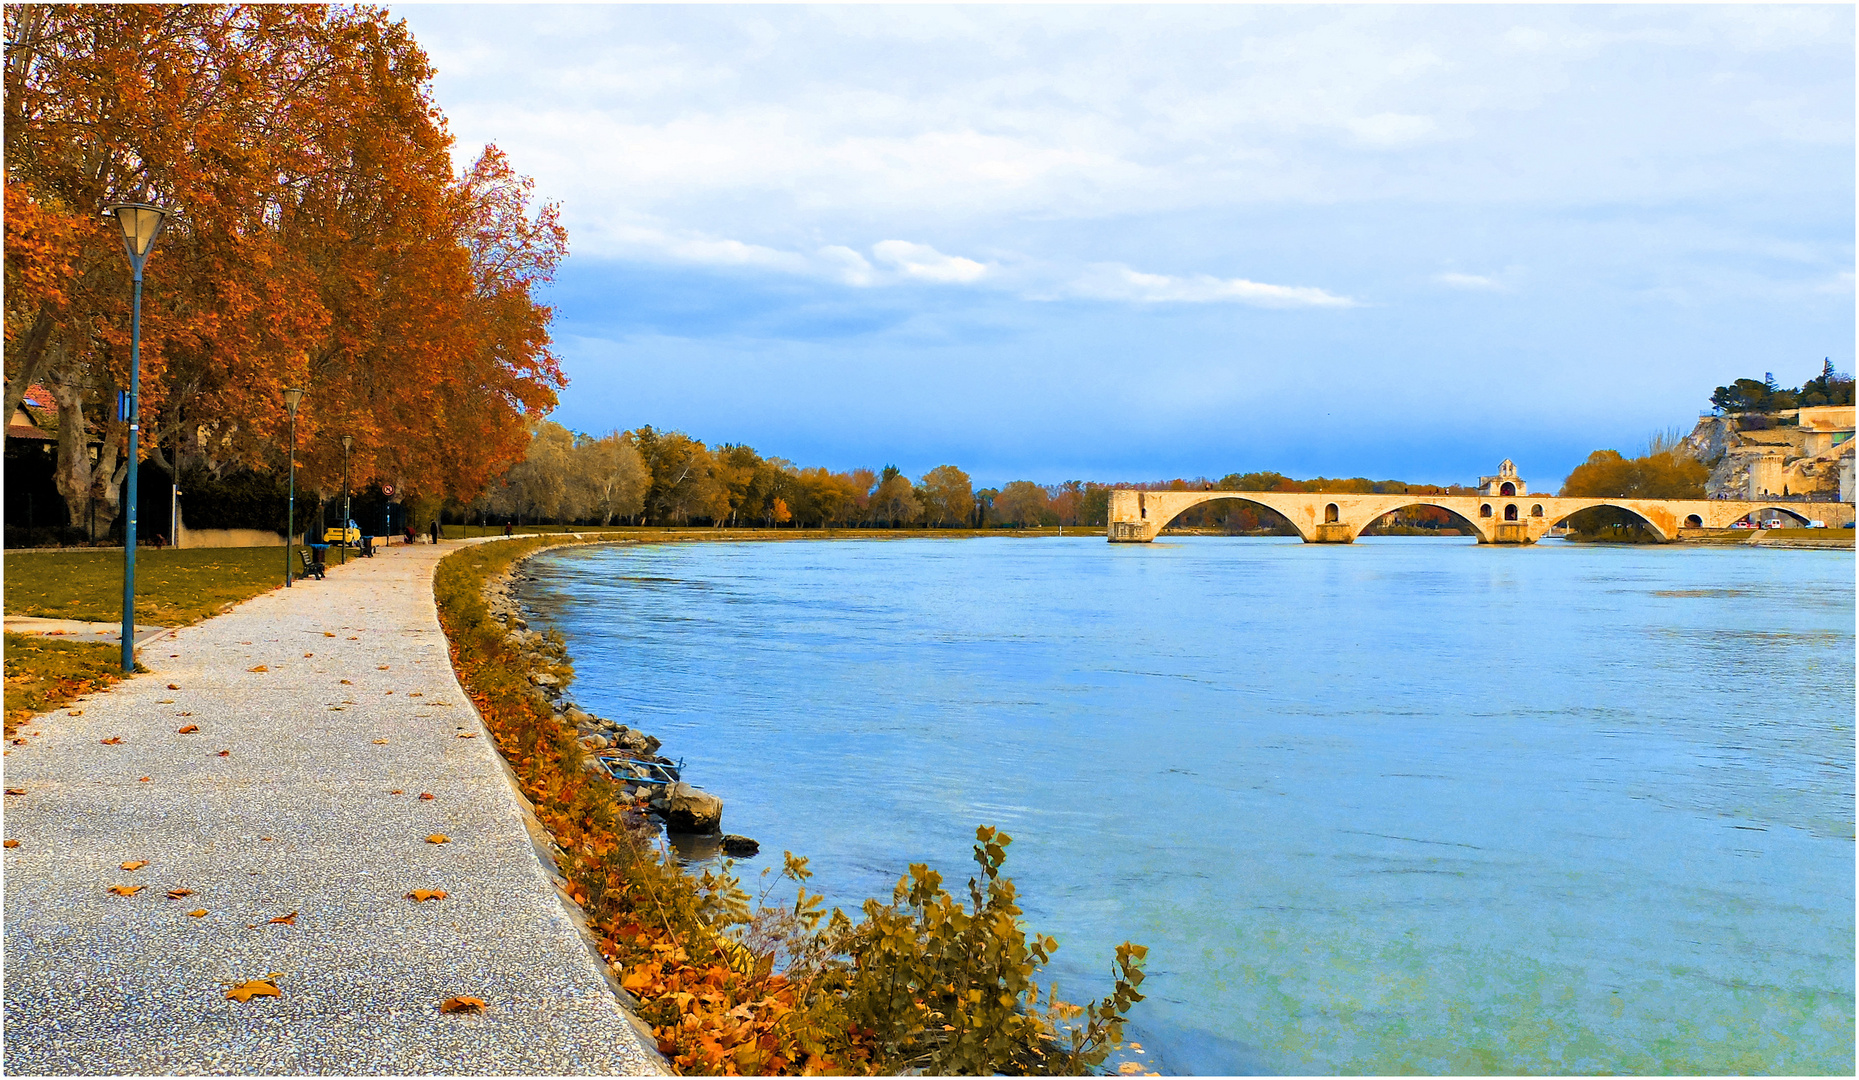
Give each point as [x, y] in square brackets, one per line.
[1504, 485]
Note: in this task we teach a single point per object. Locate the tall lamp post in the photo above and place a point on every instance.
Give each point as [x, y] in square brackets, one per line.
[347, 441]
[141, 224]
[292, 397]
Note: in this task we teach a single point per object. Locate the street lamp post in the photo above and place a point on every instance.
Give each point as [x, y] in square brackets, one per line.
[347, 440]
[292, 397]
[141, 224]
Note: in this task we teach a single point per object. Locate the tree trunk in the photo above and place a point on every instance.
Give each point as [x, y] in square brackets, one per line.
[32, 348]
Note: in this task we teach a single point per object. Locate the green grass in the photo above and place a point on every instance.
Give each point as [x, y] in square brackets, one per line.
[44, 673]
[173, 588]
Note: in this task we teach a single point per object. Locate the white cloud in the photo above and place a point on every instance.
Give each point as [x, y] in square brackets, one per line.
[925, 262]
[1471, 281]
[1115, 281]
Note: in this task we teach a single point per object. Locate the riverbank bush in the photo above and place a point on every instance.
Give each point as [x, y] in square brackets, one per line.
[734, 986]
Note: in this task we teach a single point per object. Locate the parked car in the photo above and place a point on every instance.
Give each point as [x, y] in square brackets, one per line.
[1816, 524]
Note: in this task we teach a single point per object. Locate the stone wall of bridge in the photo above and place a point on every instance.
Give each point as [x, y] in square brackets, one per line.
[1337, 518]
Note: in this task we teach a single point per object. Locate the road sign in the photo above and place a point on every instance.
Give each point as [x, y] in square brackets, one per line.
[388, 490]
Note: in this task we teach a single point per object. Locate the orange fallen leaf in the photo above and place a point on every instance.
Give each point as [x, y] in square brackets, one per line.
[76, 712]
[426, 795]
[135, 864]
[111, 741]
[352, 637]
[225, 753]
[142, 779]
[188, 730]
[174, 686]
[438, 838]
[307, 655]
[461, 1004]
[345, 682]
[380, 742]
[382, 667]
[287, 920]
[127, 890]
[16, 791]
[328, 634]
[201, 913]
[467, 734]
[397, 791]
[252, 988]
[12, 843]
[390, 692]
[260, 667]
[176, 894]
[416, 693]
[420, 896]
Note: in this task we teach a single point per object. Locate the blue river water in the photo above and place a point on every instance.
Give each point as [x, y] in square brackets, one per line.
[1409, 805]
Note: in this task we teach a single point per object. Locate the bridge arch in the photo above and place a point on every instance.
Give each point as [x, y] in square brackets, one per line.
[1781, 508]
[1564, 513]
[1236, 496]
[1397, 503]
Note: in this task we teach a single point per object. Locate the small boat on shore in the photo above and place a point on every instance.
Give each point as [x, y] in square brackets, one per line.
[631, 770]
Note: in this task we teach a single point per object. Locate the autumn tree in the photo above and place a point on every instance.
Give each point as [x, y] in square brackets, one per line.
[608, 478]
[895, 501]
[947, 496]
[319, 238]
[1020, 503]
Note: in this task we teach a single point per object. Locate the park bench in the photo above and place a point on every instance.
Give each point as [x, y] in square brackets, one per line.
[311, 568]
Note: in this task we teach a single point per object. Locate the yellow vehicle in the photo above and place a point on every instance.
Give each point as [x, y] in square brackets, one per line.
[336, 534]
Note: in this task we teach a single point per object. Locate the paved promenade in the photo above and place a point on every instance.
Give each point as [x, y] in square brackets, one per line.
[299, 793]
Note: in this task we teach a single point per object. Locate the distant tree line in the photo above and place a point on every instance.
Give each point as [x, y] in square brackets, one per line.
[1766, 396]
[650, 476]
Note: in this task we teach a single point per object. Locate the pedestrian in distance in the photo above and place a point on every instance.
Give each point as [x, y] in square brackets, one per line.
[435, 530]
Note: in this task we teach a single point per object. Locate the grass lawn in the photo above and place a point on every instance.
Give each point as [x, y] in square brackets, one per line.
[173, 588]
[44, 673]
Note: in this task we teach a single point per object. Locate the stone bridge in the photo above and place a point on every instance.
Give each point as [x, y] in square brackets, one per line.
[1495, 517]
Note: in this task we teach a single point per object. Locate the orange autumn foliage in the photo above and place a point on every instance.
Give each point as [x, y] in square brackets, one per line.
[320, 236]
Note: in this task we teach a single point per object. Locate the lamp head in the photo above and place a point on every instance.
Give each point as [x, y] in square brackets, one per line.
[293, 396]
[347, 441]
[141, 224]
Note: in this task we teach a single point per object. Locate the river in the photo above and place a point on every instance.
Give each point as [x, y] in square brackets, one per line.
[1409, 805]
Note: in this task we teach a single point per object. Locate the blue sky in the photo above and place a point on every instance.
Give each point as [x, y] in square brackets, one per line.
[1128, 243]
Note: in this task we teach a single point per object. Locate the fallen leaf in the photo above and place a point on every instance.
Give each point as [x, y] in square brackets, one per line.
[111, 741]
[287, 920]
[16, 791]
[142, 779]
[438, 838]
[352, 637]
[12, 843]
[252, 988]
[174, 686]
[461, 1004]
[397, 791]
[260, 667]
[468, 735]
[420, 896]
[416, 693]
[1130, 1068]
[381, 667]
[191, 728]
[176, 894]
[328, 634]
[426, 795]
[380, 742]
[345, 682]
[307, 655]
[136, 864]
[197, 914]
[127, 890]
[390, 692]
[225, 753]
[76, 712]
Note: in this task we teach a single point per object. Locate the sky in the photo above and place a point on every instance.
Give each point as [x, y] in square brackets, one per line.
[1141, 242]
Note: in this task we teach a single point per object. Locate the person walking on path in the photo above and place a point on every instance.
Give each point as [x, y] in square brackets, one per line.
[435, 529]
[295, 769]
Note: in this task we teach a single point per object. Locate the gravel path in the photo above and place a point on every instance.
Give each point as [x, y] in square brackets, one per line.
[357, 701]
